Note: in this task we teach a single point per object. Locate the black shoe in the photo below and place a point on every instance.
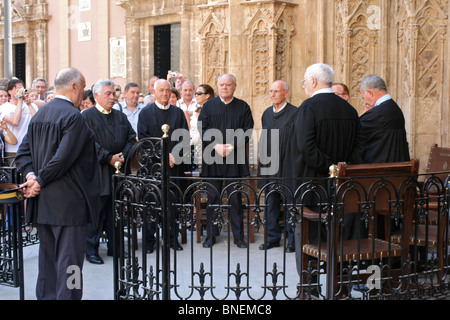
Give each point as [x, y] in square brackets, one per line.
[94, 259]
[209, 242]
[151, 248]
[176, 246]
[269, 245]
[290, 249]
[240, 243]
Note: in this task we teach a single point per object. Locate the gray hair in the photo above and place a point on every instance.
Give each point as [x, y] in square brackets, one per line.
[101, 84]
[188, 82]
[159, 81]
[66, 77]
[373, 81]
[285, 84]
[227, 74]
[37, 80]
[322, 72]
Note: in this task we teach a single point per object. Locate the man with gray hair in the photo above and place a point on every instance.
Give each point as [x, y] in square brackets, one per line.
[40, 84]
[114, 138]
[382, 124]
[326, 132]
[59, 160]
[226, 122]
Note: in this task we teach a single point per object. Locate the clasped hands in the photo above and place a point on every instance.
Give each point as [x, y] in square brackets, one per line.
[223, 149]
[31, 187]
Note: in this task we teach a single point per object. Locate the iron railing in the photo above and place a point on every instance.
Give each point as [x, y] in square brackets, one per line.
[14, 234]
[413, 265]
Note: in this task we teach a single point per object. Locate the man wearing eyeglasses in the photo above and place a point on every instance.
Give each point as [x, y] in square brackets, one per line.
[326, 132]
[341, 90]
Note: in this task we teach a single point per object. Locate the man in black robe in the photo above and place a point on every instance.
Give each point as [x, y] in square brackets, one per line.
[151, 120]
[114, 137]
[326, 132]
[58, 159]
[226, 123]
[382, 125]
[277, 124]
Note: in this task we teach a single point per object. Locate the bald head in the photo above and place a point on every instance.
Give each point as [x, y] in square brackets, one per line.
[70, 83]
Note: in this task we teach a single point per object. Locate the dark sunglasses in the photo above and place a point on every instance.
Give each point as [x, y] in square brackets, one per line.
[199, 93]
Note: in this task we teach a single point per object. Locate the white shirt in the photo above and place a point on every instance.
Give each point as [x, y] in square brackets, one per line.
[159, 105]
[284, 106]
[189, 108]
[21, 130]
[133, 116]
[384, 98]
[325, 90]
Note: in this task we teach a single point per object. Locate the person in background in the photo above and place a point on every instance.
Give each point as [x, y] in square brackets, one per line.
[131, 106]
[341, 90]
[88, 100]
[203, 93]
[17, 113]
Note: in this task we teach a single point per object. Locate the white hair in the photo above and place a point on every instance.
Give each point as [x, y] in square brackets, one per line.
[322, 72]
[97, 88]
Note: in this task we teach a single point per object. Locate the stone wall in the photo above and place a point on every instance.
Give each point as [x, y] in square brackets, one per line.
[404, 41]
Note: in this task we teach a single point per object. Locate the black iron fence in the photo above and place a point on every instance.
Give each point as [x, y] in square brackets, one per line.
[368, 237]
[14, 233]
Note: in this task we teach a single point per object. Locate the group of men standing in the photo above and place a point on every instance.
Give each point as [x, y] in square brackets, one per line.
[68, 157]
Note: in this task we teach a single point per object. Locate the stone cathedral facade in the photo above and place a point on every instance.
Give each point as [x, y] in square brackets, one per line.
[404, 41]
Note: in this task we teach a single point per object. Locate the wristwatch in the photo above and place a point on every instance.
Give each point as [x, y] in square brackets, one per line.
[19, 97]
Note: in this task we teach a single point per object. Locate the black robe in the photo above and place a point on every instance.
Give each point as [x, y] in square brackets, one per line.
[234, 122]
[326, 131]
[151, 120]
[60, 149]
[113, 134]
[283, 122]
[383, 128]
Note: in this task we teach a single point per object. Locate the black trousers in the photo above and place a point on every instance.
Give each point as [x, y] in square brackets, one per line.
[272, 214]
[105, 223]
[61, 258]
[236, 213]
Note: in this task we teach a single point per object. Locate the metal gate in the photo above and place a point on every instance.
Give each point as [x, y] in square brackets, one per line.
[147, 195]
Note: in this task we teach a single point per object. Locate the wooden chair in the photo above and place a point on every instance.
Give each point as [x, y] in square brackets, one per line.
[429, 227]
[361, 189]
[434, 185]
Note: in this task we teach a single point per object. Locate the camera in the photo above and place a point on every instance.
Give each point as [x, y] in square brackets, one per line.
[25, 91]
[174, 74]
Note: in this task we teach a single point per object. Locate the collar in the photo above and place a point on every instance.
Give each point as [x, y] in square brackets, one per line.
[325, 90]
[225, 102]
[384, 98]
[159, 105]
[125, 105]
[284, 106]
[60, 96]
[101, 109]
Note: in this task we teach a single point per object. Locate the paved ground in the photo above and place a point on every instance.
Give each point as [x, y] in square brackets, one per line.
[98, 279]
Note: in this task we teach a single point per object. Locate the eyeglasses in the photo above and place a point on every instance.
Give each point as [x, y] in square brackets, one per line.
[199, 93]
